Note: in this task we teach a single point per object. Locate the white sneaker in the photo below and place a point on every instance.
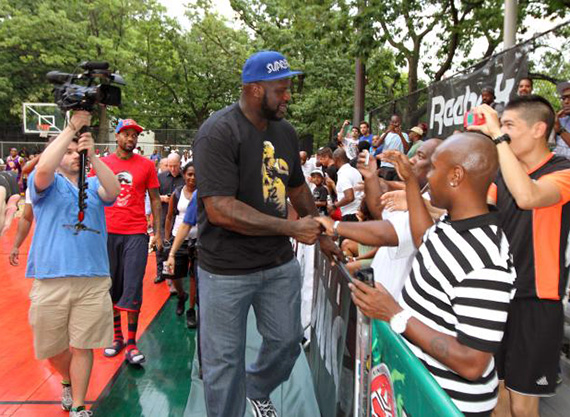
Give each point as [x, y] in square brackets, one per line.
[263, 408]
[82, 413]
[66, 399]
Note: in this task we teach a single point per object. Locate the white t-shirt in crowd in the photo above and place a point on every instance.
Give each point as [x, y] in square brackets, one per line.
[392, 141]
[350, 147]
[308, 167]
[347, 178]
[392, 264]
[181, 207]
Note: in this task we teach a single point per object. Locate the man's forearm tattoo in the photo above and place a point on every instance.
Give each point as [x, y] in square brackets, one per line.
[439, 347]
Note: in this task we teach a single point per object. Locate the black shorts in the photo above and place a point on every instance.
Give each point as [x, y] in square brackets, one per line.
[127, 260]
[529, 356]
[181, 260]
[9, 180]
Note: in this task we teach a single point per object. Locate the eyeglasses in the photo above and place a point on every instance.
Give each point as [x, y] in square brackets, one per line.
[565, 97]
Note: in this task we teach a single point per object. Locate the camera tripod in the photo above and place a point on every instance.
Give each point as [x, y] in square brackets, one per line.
[81, 203]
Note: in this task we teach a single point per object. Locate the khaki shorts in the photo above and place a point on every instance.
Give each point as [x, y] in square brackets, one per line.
[75, 312]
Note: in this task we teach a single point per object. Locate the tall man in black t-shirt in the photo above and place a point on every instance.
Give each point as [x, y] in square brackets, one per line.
[247, 166]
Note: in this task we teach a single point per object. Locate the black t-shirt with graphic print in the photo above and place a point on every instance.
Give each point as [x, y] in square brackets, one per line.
[233, 158]
[320, 193]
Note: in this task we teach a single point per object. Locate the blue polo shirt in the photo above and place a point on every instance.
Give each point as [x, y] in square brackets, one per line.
[56, 252]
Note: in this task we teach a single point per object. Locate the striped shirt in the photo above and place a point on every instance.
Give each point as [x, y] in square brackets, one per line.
[461, 284]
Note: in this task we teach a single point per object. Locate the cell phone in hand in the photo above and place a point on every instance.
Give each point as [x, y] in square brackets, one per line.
[365, 275]
[473, 119]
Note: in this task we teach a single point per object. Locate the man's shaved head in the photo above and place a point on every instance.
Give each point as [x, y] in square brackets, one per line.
[475, 153]
[340, 155]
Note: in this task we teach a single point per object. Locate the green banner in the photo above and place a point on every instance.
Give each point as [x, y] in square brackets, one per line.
[400, 386]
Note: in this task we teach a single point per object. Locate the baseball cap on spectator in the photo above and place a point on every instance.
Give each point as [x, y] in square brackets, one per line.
[266, 66]
[417, 130]
[488, 89]
[560, 87]
[128, 124]
[317, 172]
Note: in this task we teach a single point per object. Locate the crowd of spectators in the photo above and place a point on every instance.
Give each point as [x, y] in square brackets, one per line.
[414, 253]
[454, 277]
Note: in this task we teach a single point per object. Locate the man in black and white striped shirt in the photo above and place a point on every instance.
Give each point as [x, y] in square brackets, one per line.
[454, 305]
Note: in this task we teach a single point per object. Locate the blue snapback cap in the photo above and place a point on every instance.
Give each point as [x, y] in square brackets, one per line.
[266, 66]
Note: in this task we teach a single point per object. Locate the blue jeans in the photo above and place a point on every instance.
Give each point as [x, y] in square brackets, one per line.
[224, 305]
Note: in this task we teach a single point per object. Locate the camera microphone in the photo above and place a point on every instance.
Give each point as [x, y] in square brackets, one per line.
[94, 65]
[57, 77]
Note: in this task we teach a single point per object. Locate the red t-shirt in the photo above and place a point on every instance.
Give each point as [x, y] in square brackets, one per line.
[136, 175]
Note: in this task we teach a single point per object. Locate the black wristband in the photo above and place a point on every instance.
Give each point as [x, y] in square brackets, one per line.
[502, 138]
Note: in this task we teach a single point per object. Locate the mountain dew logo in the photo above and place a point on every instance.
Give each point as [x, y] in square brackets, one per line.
[382, 393]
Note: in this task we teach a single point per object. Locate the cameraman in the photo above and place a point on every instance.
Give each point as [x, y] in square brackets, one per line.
[71, 310]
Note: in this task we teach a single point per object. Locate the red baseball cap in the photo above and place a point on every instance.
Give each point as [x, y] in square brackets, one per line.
[128, 124]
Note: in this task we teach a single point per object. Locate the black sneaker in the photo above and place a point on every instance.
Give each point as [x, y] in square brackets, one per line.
[191, 321]
[263, 408]
[181, 303]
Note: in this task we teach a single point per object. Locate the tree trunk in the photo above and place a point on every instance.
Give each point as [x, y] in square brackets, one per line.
[103, 136]
[360, 72]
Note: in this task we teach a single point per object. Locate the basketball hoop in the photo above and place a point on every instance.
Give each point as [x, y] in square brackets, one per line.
[44, 130]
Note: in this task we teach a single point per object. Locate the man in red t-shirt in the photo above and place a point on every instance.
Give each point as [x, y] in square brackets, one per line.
[127, 243]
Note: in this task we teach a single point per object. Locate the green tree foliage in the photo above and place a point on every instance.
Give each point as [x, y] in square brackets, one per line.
[320, 37]
[175, 77]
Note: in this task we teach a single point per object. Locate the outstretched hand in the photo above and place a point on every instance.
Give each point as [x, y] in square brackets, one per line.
[395, 200]
[14, 256]
[557, 120]
[306, 230]
[367, 171]
[401, 163]
[327, 224]
[332, 251]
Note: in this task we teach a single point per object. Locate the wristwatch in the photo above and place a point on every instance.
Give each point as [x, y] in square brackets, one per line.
[561, 131]
[502, 138]
[399, 321]
[335, 227]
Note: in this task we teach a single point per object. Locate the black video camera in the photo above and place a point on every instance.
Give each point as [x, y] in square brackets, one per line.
[72, 96]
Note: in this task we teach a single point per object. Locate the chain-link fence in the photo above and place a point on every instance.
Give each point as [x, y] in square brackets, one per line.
[32, 148]
[162, 137]
[411, 108]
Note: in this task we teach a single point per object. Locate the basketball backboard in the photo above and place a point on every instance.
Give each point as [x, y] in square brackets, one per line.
[37, 114]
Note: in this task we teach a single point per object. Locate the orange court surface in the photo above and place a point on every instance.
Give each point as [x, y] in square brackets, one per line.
[28, 387]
